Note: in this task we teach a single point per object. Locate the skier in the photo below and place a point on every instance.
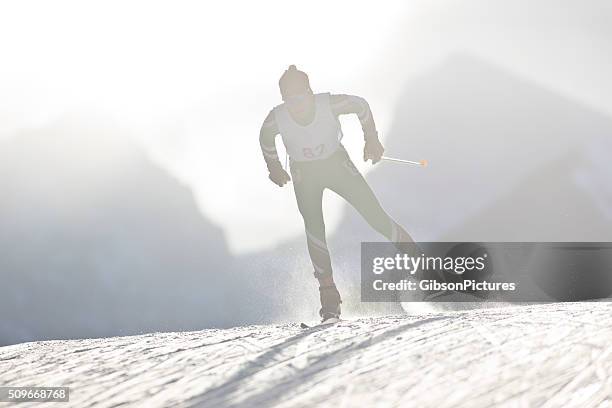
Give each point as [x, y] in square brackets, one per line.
[309, 126]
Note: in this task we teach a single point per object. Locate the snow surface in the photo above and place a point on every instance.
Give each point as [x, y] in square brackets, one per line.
[539, 355]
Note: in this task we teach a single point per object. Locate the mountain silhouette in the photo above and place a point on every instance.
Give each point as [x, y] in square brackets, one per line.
[96, 240]
[508, 160]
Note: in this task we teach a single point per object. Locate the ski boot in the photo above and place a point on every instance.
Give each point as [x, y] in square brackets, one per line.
[330, 304]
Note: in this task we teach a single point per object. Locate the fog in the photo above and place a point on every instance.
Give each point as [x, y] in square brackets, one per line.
[134, 192]
[194, 82]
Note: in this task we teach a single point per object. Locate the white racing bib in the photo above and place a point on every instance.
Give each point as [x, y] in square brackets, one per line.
[315, 141]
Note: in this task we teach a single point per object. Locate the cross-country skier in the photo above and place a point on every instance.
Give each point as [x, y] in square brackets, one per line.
[309, 126]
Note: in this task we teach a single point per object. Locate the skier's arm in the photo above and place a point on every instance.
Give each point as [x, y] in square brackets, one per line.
[347, 104]
[267, 135]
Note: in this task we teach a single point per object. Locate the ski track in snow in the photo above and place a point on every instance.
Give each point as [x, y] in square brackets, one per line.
[553, 355]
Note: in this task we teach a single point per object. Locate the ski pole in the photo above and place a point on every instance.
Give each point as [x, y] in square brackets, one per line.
[414, 163]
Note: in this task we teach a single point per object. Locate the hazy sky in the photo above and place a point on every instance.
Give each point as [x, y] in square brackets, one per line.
[194, 81]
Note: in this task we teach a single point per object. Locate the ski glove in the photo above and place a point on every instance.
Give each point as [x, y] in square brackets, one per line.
[373, 149]
[278, 175]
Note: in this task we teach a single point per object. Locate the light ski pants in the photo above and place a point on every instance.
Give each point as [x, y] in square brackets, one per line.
[339, 174]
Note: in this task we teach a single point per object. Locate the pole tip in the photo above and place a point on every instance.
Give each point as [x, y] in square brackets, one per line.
[424, 163]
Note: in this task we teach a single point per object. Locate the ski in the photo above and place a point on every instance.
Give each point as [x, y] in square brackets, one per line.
[325, 323]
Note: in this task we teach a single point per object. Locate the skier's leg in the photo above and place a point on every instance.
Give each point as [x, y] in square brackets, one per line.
[350, 184]
[309, 195]
[310, 206]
